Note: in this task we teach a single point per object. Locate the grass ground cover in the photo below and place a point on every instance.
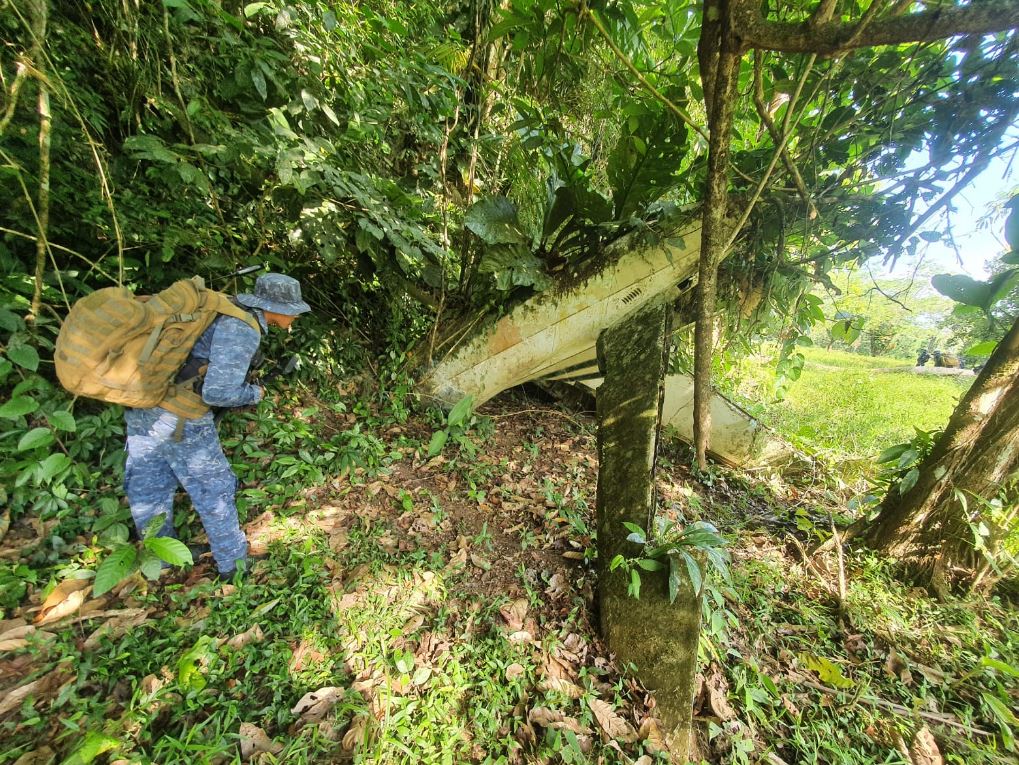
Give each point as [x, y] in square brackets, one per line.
[839, 406]
[440, 610]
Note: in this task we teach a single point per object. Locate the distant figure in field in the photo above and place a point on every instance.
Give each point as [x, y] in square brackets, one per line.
[947, 360]
[923, 358]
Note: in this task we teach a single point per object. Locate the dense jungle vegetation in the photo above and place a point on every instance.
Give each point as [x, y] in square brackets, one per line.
[423, 167]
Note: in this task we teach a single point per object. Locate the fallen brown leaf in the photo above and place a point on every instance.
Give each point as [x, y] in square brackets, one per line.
[717, 688]
[559, 685]
[305, 655]
[521, 636]
[252, 635]
[614, 726]
[116, 626]
[925, 749]
[896, 667]
[18, 637]
[514, 613]
[39, 688]
[651, 733]
[355, 735]
[553, 718]
[315, 705]
[514, 670]
[65, 599]
[254, 740]
[41, 756]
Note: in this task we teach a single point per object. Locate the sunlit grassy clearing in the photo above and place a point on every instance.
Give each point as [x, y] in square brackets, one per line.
[853, 411]
[837, 358]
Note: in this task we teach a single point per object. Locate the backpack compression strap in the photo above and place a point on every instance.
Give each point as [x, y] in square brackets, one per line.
[181, 398]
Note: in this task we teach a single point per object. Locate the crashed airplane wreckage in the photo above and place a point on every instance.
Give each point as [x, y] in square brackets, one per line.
[553, 337]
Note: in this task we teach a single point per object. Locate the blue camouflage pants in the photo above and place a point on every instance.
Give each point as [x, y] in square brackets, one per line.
[157, 464]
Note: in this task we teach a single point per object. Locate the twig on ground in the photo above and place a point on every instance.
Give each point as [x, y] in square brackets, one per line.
[942, 719]
[808, 561]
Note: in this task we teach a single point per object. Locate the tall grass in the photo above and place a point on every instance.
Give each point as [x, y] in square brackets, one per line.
[851, 411]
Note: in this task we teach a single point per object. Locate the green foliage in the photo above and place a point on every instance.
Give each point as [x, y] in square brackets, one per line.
[650, 150]
[901, 462]
[968, 291]
[458, 421]
[841, 409]
[679, 548]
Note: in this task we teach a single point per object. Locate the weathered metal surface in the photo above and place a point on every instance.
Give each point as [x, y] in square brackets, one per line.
[546, 333]
[553, 337]
[737, 437]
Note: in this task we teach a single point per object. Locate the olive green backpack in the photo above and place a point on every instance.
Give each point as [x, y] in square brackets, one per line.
[126, 349]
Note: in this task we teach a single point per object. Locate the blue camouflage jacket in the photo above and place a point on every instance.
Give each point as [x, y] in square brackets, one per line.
[229, 345]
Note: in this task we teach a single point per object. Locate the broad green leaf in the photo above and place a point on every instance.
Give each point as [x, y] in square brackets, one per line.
[637, 534]
[258, 80]
[645, 159]
[115, 534]
[891, 453]
[150, 565]
[153, 526]
[693, 568]
[494, 220]
[999, 666]
[51, 466]
[1012, 224]
[460, 411]
[908, 457]
[62, 420]
[438, 441]
[649, 564]
[118, 564]
[24, 356]
[253, 8]
[909, 480]
[34, 438]
[189, 675]
[673, 578]
[9, 320]
[634, 583]
[512, 266]
[173, 551]
[95, 744]
[986, 348]
[149, 147]
[1003, 714]
[827, 671]
[962, 288]
[1002, 284]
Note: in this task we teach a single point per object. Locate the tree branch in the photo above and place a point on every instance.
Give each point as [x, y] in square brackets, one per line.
[625, 60]
[979, 165]
[833, 37]
[776, 137]
[779, 148]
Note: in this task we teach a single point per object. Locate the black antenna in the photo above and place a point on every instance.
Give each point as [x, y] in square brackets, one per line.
[240, 272]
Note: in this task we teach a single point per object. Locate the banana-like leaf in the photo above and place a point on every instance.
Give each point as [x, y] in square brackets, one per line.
[642, 166]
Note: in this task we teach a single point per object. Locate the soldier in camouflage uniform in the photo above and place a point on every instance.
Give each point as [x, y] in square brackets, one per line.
[159, 457]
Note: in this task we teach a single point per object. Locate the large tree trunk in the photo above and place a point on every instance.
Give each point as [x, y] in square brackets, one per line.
[928, 527]
[720, 56]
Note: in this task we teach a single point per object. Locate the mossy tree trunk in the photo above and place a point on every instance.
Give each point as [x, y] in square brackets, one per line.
[658, 637]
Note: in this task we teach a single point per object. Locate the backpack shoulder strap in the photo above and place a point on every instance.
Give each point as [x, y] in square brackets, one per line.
[222, 304]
